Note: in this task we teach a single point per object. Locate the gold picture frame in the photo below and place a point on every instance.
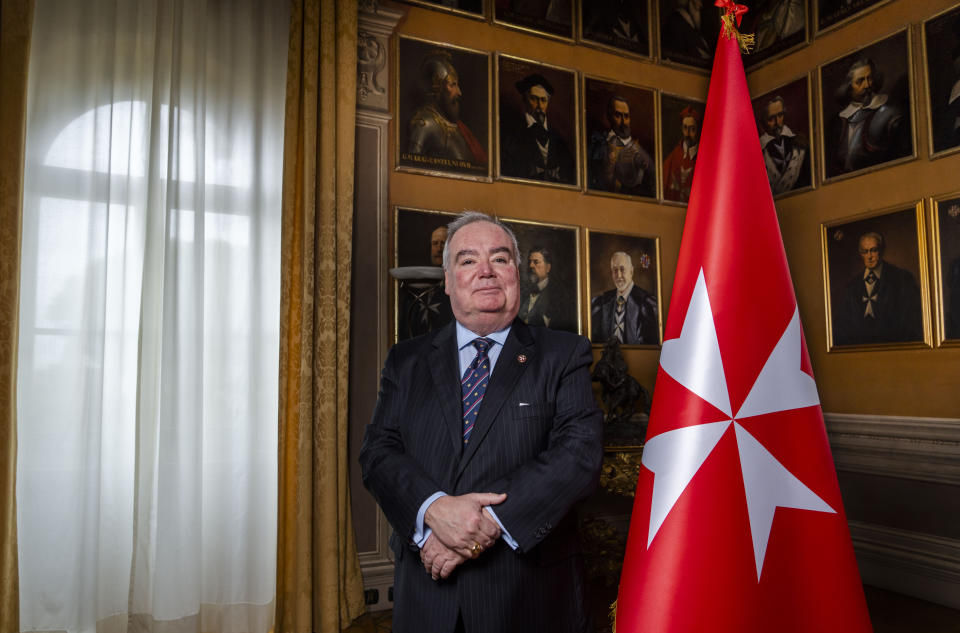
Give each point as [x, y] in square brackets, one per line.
[519, 156]
[620, 180]
[945, 238]
[865, 312]
[675, 180]
[430, 140]
[503, 15]
[893, 143]
[795, 94]
[467, 13]
[643, 251]
[549, 273]
[619, 34]
[939, 50]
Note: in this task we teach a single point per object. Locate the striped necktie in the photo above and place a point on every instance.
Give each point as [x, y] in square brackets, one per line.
[474, 385]
[618, 327]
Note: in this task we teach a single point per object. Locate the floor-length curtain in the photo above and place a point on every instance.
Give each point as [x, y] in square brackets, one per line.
[15, 21]
[318, 576]
[149, 319]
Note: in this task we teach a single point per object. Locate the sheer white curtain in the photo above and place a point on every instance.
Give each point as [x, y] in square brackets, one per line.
[147, 450]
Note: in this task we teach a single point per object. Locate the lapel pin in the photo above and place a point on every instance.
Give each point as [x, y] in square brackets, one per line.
[521, 358]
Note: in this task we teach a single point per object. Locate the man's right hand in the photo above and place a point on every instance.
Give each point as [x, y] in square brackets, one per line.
[460, 522]
[438, 559]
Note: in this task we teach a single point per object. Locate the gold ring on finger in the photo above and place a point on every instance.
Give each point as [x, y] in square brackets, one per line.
[476, 549]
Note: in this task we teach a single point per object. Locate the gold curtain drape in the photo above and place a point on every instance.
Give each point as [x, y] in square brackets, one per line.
[319, 587]
[16, 19]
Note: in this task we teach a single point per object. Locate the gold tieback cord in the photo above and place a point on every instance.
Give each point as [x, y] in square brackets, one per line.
[745, 40]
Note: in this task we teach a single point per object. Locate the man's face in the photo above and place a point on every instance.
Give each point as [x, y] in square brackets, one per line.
[870, 252]
[773, 121]
[536, 101]
[450, 96]
[620, 119]
[437, 239]
[621, 269]
[483, 278]
[690, 130]
[539, 268]
[861, 84]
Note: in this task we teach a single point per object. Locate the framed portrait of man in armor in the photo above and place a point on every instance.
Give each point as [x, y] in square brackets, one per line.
[421, 303]
[443, 110]
[623, 282]
[866, 108]
[620, 132]
[941, 55]
[538, 123]
[946, 249]
[874, 270]
[784, 122]
[549, 274]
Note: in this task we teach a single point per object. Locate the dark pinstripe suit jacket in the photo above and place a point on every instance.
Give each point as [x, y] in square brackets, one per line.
[545, 454]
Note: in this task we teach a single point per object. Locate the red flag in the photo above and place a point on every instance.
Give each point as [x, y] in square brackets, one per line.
[738, 524]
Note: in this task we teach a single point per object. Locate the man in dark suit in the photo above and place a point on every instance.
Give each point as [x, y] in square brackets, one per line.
[529, 146]
[881, 304]
[478, 475]
[628, 313]
[546, 302]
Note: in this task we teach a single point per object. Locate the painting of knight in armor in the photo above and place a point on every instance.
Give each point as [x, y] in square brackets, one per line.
[866, 108]
[421, 303]
[624, 288]
[620, 122]
[443, 110]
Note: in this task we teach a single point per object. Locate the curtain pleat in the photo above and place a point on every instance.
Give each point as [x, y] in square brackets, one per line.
[319, 586]
[16, 18]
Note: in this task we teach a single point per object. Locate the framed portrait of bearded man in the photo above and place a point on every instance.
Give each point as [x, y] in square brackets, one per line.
[620, 131]
[866, 108]
[443, 110]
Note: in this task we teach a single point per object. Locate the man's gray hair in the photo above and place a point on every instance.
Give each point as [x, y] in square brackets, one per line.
[469, 217]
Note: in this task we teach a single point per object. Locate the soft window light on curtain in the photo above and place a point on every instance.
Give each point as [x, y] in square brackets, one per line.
[149, 326]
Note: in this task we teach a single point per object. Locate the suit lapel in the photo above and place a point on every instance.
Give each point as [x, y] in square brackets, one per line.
[444, 369]
[505, 377]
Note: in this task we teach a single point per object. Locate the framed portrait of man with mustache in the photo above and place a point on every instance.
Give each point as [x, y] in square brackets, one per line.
[443, 110]
[866, 108]
[620, 127]
[537, 107]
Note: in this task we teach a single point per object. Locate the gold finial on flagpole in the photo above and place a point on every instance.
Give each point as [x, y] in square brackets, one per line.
[732, 14]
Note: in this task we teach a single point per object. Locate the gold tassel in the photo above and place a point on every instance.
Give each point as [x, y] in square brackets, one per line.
[613, 617]
[745, 40]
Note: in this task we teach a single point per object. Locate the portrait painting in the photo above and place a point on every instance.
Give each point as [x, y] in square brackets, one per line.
[620, 130]
[779, 26]
[680, 122]
[833, 13]
[549, 274]
[688, 32]
[866, 108]
[941, 51]
[946, 218]
[421, 303]
[623, 283]
[547, 17]
[621, 25]
[466, 8]
[784, 123]
[538, 123]
[443, 110]
[876, 286]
